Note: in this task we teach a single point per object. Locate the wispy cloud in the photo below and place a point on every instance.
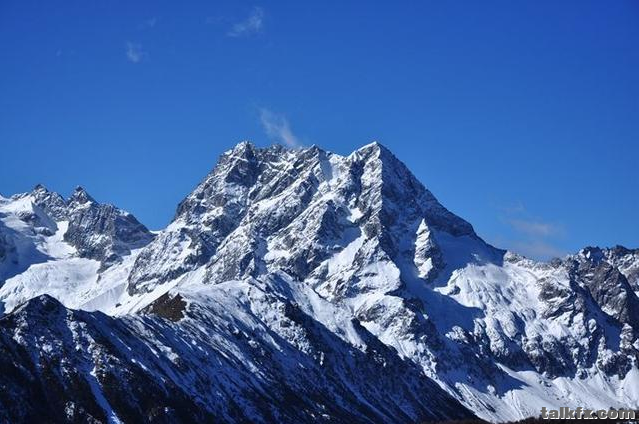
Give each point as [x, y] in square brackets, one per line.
[537, 249]
[529, 235]
[135, 53]
[149, 23]
[251, 25]
[514, 208]
[278, 128]
[535, 228]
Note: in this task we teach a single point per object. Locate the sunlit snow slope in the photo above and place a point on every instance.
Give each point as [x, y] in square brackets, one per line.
[280, 265]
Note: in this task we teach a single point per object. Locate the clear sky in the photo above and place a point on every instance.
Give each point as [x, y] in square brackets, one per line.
[520, 116]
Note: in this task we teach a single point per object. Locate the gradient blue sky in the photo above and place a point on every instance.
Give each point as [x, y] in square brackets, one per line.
[522, 117]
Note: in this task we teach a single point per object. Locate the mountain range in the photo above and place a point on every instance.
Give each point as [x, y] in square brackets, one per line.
[298, 285]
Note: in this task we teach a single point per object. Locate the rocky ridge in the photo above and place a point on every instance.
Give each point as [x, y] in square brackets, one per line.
[362, 253]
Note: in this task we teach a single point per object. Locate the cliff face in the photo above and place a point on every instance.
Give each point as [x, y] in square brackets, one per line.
[344, 273]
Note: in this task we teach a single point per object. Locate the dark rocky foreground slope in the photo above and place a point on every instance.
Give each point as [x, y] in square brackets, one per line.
[59, 365]
[302, 285]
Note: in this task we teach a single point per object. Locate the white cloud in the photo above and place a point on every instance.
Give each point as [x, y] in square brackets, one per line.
[515, 208]
[535, 228]
[537, 249]
[530, 236]
[278, 128]
[251, 25]
[134, 52]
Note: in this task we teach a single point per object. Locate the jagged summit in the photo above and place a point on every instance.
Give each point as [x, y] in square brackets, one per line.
[592, 253]
[51, 202]
[297, 200]
[375, 147]
[243, 146]
[81, 196]
[334, 283]
[98, 231]
[248, 149]
[43, 307]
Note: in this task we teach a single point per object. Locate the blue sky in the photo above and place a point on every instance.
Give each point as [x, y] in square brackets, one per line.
[522, 117]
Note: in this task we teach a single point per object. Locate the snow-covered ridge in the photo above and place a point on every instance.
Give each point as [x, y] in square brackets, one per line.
[65, 248]
[360, 252]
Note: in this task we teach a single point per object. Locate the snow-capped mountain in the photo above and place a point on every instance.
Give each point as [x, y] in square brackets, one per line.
[299, 285]
[72, 249]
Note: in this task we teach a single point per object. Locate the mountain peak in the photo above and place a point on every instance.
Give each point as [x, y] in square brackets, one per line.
[44, 306]
[81, 196]
[50, 201]
[242, 148]
[374, 145]
[375, 148]
[39, 188]
[245, 144]
[342, 261]
[592, 253]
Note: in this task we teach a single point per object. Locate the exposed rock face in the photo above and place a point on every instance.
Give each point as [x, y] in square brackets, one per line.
[309, 203]
[59, 365]
[72, 366]
[365, 234]
[169, 307]
[342, 271]
[101, 231]
[52, 203]
[98, 231]
[626, 261]
[607, 285]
